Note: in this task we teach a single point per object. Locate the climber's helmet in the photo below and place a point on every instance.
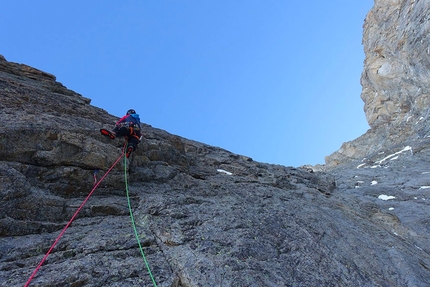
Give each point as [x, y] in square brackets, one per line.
[131, 111]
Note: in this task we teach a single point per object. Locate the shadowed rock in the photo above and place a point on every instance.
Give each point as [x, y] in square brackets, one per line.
[205, 216]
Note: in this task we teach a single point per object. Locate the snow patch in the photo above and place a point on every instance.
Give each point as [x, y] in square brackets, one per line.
[424, 187]
[394, 154]
[391, 208]
[224, 171]
[389, 157]
[386, 197]
[374, 182]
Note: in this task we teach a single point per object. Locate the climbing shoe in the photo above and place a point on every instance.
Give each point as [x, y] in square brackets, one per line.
[129, 151]
[107, 133]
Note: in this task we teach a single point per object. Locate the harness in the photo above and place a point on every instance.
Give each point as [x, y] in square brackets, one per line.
[132, 132]
[131, 127]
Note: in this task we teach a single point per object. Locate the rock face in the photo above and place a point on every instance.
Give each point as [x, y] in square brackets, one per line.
[395, 79]
[206, 216]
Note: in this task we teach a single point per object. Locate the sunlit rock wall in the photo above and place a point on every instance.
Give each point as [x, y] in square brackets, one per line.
[395, 78]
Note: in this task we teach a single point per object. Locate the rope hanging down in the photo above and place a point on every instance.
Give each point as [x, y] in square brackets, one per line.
[134, 225]
[73, 217]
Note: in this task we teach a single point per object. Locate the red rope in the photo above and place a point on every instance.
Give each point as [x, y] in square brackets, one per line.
[70, 221]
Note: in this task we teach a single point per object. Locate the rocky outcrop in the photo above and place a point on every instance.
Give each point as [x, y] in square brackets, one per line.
[206, 216]
[395, 79]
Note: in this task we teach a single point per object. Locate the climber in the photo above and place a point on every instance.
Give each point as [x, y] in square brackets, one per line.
[129, 127]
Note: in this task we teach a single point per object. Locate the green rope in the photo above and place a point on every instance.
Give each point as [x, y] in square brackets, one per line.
[134, 225]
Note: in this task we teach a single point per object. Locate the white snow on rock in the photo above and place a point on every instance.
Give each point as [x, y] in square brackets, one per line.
[389, 157]
[224, 171]
[386, 197]
[358, 183]
[360, 165]
[374, 182]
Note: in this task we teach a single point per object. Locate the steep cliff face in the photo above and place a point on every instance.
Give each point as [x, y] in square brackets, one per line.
[208, 217]
[205, 216]
[395, 79]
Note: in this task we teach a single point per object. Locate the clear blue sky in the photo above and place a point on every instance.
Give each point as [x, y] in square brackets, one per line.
[278, 81]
